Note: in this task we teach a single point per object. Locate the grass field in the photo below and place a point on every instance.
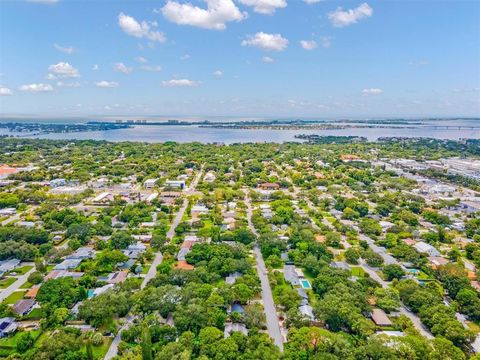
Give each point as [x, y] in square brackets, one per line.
[35, 314]
[14, 297]
[22, 270]
[11, 341]
[4, 283]
[358, 271]
[100, 351]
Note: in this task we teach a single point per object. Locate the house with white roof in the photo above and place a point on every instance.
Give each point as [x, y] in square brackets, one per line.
[424, 248]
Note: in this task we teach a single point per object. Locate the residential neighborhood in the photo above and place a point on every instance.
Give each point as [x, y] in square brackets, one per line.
[322, 241]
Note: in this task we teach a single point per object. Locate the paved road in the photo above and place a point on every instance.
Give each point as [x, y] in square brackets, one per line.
[273, 324]
[153, 270]
[181, 212]
[16, 285]
[113, 349]
[388, 259]
[11, 219]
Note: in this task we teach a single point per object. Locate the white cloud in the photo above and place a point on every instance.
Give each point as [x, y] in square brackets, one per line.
[95, 67]
[326, 41]
[268, 59]
[141, 59]
[265, 6]
[217, 13]
[180, 83]
[62, 70]
[341, 18]
[218, 73]
[372, 91]
[121, 67]
[156, 68]
[419, 63]
[140, 29]
[4, 91]
[106, 84]
[185, 57]
[73, 84]
[36, 88]
[264, 41]
[308, 44]
[64, 49]
[47, 2]
[310, 2]
[466, 90]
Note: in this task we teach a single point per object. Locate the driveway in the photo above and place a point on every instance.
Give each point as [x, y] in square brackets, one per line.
[113, 349]
[22, 279]
[273, 324]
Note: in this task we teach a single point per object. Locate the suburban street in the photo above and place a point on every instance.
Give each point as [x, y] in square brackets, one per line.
[153, 269]
[16, 285]
[17, 216]
[388, 259]
[113, 349]
[179, 216]
[273, 324]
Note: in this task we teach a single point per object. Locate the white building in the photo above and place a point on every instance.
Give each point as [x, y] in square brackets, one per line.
[150, 183]
[176, 184]
[424, 248]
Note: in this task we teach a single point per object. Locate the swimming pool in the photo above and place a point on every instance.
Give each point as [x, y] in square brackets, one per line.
[305, 284]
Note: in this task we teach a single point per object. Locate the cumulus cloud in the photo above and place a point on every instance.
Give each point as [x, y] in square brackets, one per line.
[308, 44]
[141, 59]
[372, 91]
[419, 63]
[140, 30]
[64, 49]
[121, 67]
[268, 59]
[36, 88]
[267, 7]
[218, 73]
[106, 84]
[62, 70]
[217, 13]
[73, 84]
[264, 41]
[47, 2]
[156, 68]
[180, 83]
[466, 90]
[4, 91]
[342, 18]
[326, 41]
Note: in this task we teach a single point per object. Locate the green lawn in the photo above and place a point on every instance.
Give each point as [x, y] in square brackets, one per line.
[100, 351]
[145, 268]
[14, 297]
[22, 270]
[35, 314]
[475, 327]
[4, 283]
[11, 341]
[26, 285]
[423, 276]
[358, 271]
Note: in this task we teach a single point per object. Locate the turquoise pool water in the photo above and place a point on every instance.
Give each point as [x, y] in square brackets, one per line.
[305, 284]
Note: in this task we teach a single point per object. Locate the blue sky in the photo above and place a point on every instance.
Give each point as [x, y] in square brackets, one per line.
[240, 58]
